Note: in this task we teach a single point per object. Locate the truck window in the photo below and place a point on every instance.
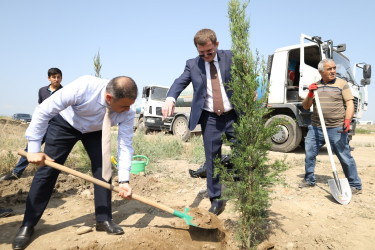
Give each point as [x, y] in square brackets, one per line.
[293, 67]
[343, 69]
[312, 56]
[159, 94]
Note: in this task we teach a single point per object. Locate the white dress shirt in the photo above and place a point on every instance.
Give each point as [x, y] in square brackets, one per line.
[209, 102]
[81, 103]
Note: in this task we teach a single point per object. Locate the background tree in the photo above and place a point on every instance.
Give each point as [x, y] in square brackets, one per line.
[97, 65]
[248, 183]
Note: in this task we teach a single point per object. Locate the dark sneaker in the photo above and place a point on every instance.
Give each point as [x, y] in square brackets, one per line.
[5, 212]
[305, 183]
[356, 190]
[10, 176]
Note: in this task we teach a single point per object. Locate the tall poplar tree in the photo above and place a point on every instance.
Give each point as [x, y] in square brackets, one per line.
[248, 184]
[97, 65]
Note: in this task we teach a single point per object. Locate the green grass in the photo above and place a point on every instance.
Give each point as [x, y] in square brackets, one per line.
[366, 127]
[12, 139]
[362, 131]
[78, 159]
[197, 150]
[157, 147]
[12, 135]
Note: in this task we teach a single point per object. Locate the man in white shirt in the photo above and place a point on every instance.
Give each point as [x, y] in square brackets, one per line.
[76, 113]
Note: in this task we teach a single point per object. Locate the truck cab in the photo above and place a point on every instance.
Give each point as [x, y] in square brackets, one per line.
[149, 115]
[153, 97]
[290, 72]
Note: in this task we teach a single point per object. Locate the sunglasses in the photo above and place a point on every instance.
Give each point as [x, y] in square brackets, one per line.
[207, 54]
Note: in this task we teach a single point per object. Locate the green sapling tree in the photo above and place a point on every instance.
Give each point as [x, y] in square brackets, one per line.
[248, 183]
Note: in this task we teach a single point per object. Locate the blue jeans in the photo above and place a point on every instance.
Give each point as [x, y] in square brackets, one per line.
[340, 146]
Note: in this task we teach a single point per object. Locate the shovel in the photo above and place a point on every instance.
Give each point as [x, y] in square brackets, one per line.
[203, 219]
[340, 188]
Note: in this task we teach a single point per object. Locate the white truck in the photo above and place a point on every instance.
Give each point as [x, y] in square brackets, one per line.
[290, 72]
[149, 116]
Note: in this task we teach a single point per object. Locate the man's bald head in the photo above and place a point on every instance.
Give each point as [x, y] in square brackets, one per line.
[122, 87]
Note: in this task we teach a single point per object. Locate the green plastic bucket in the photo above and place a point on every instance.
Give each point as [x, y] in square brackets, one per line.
[139, 166]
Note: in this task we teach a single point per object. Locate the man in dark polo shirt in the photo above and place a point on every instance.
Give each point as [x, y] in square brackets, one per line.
[334, 95]
[55, 77]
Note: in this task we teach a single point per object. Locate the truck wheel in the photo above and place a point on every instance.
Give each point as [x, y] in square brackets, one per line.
[289, 135]
[180, 128]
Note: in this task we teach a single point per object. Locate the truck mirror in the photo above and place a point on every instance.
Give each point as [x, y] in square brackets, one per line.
[366, 75]
[145, 92]
[341, 47]
[365, 82]
[367, 71]
[326, 51]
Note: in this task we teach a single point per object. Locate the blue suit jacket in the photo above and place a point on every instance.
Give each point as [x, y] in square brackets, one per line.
[195, 72]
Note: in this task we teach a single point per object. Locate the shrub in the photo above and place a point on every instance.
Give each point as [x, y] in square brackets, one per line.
[7, 162]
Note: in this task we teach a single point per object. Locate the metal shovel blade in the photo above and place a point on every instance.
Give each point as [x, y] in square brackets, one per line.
[343, 197]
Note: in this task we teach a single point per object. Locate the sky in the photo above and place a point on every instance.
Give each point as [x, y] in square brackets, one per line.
[150, 40]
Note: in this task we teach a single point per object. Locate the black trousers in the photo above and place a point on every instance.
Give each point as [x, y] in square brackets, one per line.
[213, 127]
[60, 139]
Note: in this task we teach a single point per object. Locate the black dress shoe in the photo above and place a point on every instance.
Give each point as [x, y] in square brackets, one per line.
[217, 207]
[201, 172]
[23, 237]
[109, 226]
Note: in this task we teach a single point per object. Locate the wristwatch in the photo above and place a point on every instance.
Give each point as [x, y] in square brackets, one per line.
[121, 182]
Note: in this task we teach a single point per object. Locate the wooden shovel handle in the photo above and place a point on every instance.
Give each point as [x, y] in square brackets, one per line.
[101, 183]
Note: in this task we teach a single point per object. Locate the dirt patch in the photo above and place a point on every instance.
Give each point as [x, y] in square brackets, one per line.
[310, 218]
[298, 218]
[204, 219]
